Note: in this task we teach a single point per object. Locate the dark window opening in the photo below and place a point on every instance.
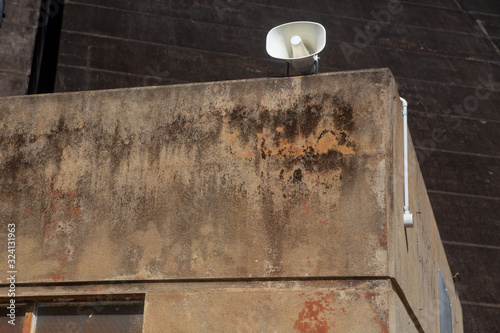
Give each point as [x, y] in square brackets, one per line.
[94, 314]
[44, 65]
[109, 317]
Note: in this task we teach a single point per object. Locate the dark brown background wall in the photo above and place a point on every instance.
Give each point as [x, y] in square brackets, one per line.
[444, 53]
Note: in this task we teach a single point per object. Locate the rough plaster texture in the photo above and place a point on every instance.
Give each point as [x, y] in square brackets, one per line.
[319, 306]
[290, 178]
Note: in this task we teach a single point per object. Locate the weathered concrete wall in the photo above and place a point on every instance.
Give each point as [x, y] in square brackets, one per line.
[17, 42]
[320, 306]
[289, 178]
[240, 179]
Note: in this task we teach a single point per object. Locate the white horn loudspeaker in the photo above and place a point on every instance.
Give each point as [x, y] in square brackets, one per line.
[298, 43]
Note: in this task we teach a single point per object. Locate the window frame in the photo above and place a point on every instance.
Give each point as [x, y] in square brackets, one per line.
[32, 304]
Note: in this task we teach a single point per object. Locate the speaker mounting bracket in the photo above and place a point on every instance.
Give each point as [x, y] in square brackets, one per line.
[315, 66]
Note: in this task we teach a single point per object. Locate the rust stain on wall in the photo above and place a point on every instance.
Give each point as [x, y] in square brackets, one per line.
[305, 207]
[317, 314]
[60, 206]
[383, 238]
[60, 217]
[381, 315]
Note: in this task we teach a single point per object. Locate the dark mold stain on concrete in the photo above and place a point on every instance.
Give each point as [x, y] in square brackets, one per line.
[343, 114]
[297, 176]
[286, 125]
[58, 139]
[302, 117]
[311, 112]
[262, 146]
[25, 156]
[120, 148]
[306, 113]
[14, 166]
[188, 130]
[246, 122]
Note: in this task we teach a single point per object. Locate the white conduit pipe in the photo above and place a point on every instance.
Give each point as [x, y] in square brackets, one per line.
[407, 217]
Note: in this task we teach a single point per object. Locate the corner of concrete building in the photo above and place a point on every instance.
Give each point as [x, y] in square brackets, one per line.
[248, 205]
[416, 254]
